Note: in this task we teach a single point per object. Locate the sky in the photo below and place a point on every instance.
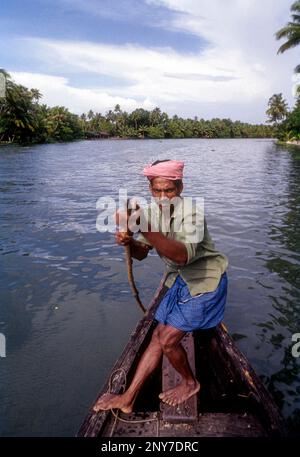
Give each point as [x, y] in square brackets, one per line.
[204, 58]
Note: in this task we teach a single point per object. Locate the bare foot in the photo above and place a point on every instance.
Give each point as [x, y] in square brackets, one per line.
[180, 393]
[112, 401]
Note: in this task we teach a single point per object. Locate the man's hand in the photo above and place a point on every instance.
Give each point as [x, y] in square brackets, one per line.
[138, 250]
[122, 238]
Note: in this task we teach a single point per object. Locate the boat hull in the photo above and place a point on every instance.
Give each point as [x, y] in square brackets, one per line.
[232, 400]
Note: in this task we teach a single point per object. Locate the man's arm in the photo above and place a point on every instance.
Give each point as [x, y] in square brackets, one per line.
[172, 249]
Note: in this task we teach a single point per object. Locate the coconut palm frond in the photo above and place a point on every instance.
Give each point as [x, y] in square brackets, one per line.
[296, 18]
[295, 6]
[291, 43]
[297, 69]
[291, 31]
[287, 30]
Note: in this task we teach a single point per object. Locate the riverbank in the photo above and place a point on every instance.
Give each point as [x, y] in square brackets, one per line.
[294, 143]
[290, 143]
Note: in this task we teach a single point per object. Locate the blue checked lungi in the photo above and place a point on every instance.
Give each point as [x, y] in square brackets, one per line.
[184, 312]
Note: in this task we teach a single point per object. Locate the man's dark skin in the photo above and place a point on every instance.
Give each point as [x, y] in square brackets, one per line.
[165, 339]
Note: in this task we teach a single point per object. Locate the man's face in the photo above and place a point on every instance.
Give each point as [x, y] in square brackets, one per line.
[164, 190]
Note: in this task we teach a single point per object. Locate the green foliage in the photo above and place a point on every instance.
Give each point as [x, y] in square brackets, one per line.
[289, 130]
[155, 132]
[24, 120]
[61, 125]
[19, 108]
[174, 128]
[291, 32]
[293, 120]
[277, 108]
[287, 123]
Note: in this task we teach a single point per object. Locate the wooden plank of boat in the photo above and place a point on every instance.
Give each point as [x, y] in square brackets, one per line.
[187, 411]
[233, 400]
[209, 425]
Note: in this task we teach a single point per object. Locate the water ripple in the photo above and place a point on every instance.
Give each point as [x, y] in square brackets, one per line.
[66, 306]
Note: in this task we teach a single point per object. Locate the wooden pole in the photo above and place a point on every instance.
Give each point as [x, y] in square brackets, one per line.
[128, 256]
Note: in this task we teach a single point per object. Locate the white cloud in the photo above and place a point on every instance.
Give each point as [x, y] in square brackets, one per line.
[244, 27]
[58, 91]
[161, 75]
[234, 76]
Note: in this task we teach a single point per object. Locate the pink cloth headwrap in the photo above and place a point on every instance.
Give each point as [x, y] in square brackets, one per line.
[172, 169]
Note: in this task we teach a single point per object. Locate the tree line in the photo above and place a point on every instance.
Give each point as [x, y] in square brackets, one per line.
[23, 120]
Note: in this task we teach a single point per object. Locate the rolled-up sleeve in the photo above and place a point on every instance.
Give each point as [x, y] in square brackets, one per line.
[142, 239]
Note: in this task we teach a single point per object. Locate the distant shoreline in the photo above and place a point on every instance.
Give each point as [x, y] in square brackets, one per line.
[3, 143]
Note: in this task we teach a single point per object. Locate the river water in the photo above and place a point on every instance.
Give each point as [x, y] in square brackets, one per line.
[66, 309]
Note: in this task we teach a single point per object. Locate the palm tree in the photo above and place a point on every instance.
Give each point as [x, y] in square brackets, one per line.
[155, 116]
[291, 31]
[36, 95]
[90, 114]
[277, 109]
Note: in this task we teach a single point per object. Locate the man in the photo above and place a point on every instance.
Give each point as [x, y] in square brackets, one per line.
[197, 281]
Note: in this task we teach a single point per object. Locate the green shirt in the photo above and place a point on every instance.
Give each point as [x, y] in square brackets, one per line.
[204, 266]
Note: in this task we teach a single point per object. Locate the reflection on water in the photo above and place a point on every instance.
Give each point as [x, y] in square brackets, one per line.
[66, 307]
[285, 262]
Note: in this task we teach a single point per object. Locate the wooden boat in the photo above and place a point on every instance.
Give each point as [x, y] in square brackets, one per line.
[232, 401]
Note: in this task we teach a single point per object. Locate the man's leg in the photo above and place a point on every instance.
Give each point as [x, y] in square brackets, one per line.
[166, 340]
[149, 361]
[170, 338]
